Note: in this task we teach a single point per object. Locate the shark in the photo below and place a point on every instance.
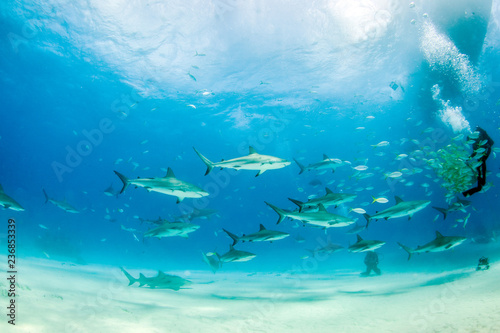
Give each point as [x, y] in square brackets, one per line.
[363, 245]
[203, 214]
[325, 164]
[159, 221]
[440, 243]
[161, 281]
[170, 229]
[321, 218]
[64, 205]
[401, 209]
[328, 249]
[263, 235]
[111, 192]
[211, 261]
[235, 255]
[8, 203]
[252, 161]
[357, 228]
[329, 199]
[459, 205]
[169, 185]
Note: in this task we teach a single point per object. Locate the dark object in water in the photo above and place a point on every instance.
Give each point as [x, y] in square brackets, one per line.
[481, 169]
[371, 262]
[315, 182]
[483, 264]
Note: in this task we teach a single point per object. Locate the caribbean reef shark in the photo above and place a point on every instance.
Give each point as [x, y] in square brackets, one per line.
[167, 185]
[161, 281]
[440, 243]
[253, 161]
[9, 203]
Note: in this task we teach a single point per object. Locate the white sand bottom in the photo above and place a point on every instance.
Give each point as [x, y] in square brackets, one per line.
[59, 297]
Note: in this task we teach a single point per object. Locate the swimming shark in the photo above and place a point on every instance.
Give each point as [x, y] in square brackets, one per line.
[263, 235]
[363, 245]
[211, 261]
[459, 205]
[159, 221]
[235, 255]
[329, 199]
[252, 161]
[328, 249]
[161, 281]
[326, 163]
[64, 205]
[170, 229]
[167, 185]
[9, 203]
[357, 228]
[321, 218]
[402, 208]
[203, 214]
[111, 192]
[440, 243]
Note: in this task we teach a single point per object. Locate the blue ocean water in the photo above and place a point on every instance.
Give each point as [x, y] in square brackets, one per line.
[149, 81]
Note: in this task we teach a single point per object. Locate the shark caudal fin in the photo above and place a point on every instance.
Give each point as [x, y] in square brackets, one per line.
[280, 212]
[46, 196]
[205, 160]
[368, 219]
[302, 167]
[233, 236]
[131, 279]
[124, 180]
[441, 210]
[407, 249]
[298, 203]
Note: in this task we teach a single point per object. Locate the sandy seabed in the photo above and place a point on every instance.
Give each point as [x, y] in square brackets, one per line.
[59, 297]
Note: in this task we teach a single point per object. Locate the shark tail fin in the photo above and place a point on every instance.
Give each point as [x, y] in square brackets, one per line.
[407, 249]
[441, 210]
[205, 160]
[298, 203]
[233, 236]
[46, 196]
[302, 167]
[277, 210]
[124, 180]
[368, 219]
[131, 279]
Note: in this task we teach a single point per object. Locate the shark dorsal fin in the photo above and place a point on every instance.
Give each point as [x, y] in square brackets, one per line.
[321, 208]
[359, 238]
[328, 191]
[170, 174]
[231, 248]
[438, 234]
[325, 157]
[141, 276]
[251, 150]
[262, 227]
[398, 199]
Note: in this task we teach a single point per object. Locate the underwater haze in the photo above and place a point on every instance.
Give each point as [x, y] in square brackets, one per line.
[149, 137]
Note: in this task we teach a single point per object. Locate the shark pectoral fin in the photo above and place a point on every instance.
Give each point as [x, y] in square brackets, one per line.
[409, 217]
[179, 199]
[7, 206]
[260, 172]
